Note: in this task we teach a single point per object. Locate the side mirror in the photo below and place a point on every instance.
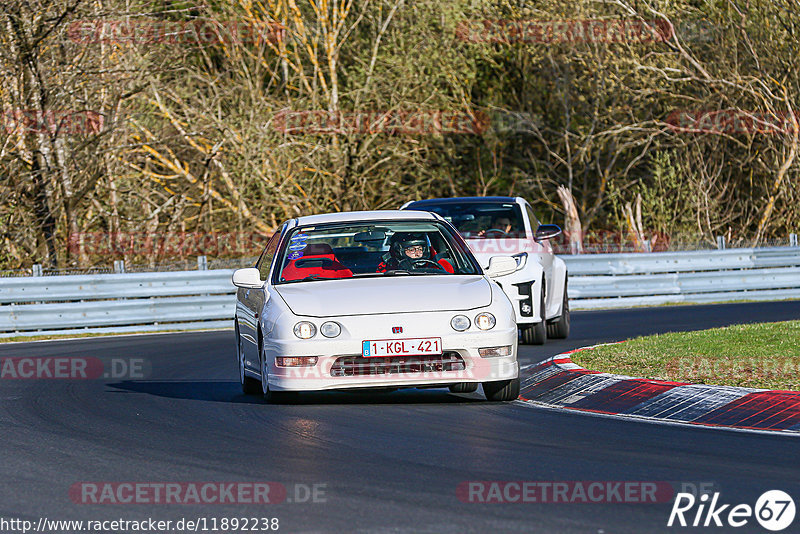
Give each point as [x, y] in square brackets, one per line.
[547, 231]
[248, 278]
[501, 266]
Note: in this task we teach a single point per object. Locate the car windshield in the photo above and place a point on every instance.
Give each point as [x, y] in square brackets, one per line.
[352, 250]
[481, 220]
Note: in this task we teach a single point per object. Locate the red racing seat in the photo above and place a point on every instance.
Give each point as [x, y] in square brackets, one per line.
[317, 260]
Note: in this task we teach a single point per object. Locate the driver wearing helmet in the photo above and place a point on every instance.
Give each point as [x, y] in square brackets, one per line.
[409, 251]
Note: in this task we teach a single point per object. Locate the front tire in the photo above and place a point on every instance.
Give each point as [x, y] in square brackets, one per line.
[250, 386]
[502, 390]
[537, 333]
[560, 328]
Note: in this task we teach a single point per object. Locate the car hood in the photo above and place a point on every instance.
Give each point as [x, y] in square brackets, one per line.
[395, 294]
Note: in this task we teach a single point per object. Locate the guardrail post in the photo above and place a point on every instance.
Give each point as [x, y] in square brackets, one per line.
[721, 242]
[648, 247]
[36, 269]
[119, 266]
[792, 240]
[202, 263]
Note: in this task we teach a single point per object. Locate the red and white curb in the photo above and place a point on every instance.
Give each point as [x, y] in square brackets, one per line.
[559, 382]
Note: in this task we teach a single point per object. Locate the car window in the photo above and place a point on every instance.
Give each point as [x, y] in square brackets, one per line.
[532, 218]
[352, 250]
[265, 261]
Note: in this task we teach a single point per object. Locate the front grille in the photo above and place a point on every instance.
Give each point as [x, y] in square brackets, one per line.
[360, 366]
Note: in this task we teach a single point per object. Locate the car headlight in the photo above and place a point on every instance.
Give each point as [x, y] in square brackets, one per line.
[485, 321]
[522, 259]
[330, 329]
[305, 330]
[460, 323]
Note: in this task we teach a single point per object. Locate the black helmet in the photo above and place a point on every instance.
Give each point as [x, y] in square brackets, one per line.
[402, 240]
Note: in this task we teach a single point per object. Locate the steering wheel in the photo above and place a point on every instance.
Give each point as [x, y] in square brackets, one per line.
[422, 262]
[496, 232]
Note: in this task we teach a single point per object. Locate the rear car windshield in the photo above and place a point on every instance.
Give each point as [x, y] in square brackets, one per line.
[480, 219]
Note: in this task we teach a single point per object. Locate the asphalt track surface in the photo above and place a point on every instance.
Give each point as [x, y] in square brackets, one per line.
[388, 462]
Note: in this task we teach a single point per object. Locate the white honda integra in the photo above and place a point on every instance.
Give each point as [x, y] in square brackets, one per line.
[374, 299]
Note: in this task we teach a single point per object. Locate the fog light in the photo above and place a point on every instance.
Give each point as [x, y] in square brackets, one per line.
[493, 352]
[305, 330]
[330, 329]
[485, 321]
[460, 323]
[296, 361]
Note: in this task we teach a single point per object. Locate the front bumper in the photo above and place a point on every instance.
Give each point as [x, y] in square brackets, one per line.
[523, 292]
[319, 377]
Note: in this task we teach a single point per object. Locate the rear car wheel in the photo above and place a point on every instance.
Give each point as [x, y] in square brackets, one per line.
[250, 386]
[463, 387]
[502, 390]
[560, 328]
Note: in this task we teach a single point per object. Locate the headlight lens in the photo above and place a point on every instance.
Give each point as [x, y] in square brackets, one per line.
[460, 323]
[305, 330]
[485, 321]
[521, 258]
[330, 329]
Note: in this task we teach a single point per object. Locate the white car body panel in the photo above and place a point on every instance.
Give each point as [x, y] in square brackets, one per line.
[376, 296]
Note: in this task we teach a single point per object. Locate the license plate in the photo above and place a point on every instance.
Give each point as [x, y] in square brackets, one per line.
[420, 346]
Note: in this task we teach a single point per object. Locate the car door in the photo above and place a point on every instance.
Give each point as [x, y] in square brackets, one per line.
[250, 303]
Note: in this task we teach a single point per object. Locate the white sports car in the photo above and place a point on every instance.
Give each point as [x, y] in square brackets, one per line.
[374, 299]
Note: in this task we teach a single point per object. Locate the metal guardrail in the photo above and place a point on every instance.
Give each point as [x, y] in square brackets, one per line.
[187, 300]
[627, 280]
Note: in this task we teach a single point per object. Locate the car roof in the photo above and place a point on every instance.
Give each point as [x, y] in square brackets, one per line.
[459, 200]
[375, 215]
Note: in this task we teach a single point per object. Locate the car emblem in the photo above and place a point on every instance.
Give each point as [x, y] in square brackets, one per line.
[397, 330]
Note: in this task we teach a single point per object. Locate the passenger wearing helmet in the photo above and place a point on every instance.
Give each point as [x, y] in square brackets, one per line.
[411, 251]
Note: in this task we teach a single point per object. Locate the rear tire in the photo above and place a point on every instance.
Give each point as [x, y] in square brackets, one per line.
[464, 387]
[502, 390]
[560, 328]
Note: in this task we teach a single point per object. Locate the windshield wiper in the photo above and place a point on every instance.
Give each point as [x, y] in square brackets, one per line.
[307, 279]
[395, 272]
